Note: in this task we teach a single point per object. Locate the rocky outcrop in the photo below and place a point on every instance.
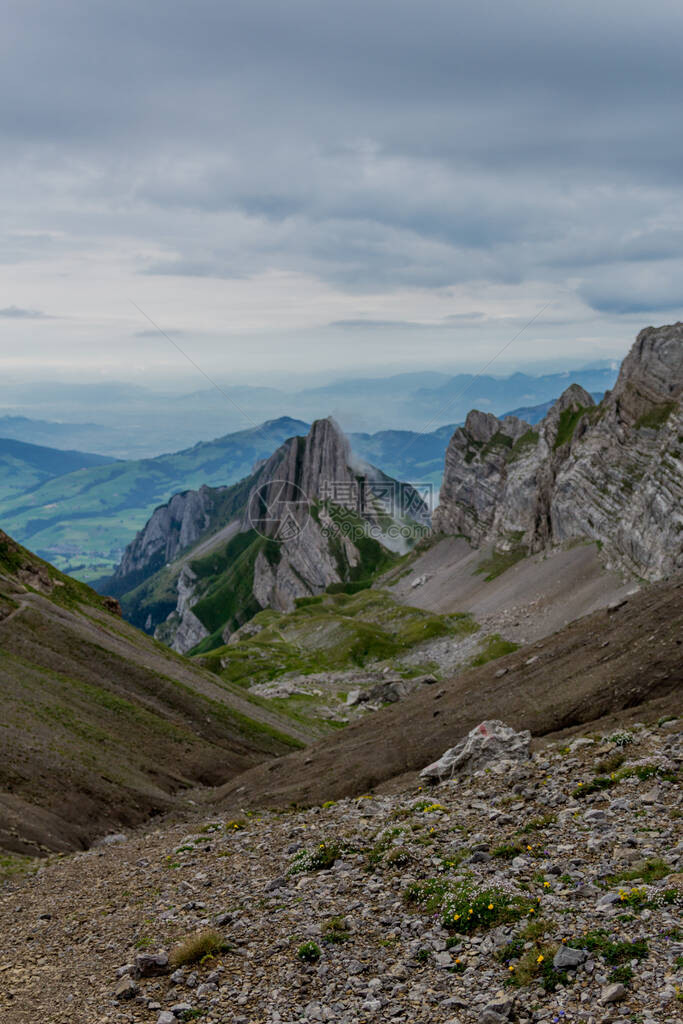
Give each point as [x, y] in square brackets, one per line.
[491, 745]
[301, 523]
[610, 473]
[183, 630]
[172, 528]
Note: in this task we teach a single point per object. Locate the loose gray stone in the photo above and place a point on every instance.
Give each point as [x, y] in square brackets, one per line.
[125, 988]
[568, 958]
[149, 965]
[613, 993]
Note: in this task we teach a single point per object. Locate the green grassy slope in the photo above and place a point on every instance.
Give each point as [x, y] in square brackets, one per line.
[329, 633]
[82, 521]
[24, 467]
[101, 726]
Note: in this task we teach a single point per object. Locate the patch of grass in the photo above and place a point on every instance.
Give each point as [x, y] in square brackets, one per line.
[656, 417]
[613, 953]
[382, 845]
[569, 419]
[596, 785]
[507, 851]
[451, 861]
[493, 647]
[647, 771]
[524, 443]
[206, 943]
[13, 865]
[309, 952]
[336, 931]
[338, 632]
[610, 763]
[648, 871]
[537, 824]
[499, 562]
[535, 966]
[235, 825]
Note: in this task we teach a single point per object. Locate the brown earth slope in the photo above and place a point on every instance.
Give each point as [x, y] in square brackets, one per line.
[100, 725]
[600, 665]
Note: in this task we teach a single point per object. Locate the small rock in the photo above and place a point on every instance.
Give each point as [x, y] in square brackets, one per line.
[613, 994]
[112, 840]
[207, 989]
[568, 958]
[125, 988]
[181, 1010]
[149, 965]
[166, 1017]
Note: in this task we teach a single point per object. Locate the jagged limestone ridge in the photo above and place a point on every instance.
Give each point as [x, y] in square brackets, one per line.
[610, 473]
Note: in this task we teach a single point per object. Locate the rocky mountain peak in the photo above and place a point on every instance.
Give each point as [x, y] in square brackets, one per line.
[300, 471]
[571, 404]
[611, 473]
[651, 374]
[306, 519]
[483, 426]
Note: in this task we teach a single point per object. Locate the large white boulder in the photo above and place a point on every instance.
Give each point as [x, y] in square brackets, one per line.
[489, 743]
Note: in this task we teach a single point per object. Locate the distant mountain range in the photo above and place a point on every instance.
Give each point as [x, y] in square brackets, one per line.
[135, 422]
[80, 511]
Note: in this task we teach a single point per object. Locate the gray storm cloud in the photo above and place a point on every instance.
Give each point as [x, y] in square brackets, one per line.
[374, 146]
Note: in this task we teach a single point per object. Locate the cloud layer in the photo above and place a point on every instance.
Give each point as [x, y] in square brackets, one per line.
[285, 170]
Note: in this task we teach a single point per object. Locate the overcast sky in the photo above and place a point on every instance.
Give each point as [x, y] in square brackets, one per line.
[295, 185]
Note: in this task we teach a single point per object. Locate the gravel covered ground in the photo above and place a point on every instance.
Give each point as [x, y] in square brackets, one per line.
[529, 892]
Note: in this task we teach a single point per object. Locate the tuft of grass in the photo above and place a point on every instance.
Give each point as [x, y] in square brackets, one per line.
[596, 785]
[336, 931]
[206, 943]
[536, 966]
[610, 763]
[656, 417]
[507, 851]
[309, 952]
[648, 871]
[643, 772]
[493, 647]
[536, 824]
[613, 953]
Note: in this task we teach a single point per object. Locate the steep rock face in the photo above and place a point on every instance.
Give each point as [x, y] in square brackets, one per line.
[296, 526]
[171, 528]
[475, 475]
[183, 630]
[610, 473]
[623, 484]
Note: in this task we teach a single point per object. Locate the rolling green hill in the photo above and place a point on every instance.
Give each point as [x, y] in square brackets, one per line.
[82, 521]
[24, 467]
